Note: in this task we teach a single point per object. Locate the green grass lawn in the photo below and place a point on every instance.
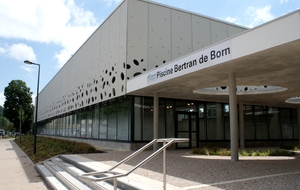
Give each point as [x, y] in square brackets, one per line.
[47, 147]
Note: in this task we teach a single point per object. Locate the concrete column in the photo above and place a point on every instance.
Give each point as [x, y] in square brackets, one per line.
[233, 118]
[298, 119]
[242, 133]
[155, 119]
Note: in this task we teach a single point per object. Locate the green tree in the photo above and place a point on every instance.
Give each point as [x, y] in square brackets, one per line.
[18, 96]
[10, 127]
[1, 111]
[3, 122]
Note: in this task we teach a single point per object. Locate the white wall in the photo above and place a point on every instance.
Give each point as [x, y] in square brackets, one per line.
[138, 36]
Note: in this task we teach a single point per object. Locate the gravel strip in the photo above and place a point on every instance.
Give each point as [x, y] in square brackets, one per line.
[187, 171]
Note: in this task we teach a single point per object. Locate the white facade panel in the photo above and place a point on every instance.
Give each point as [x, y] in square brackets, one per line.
[104, 52]
[181, 33]
[137, 38]
[159, 36]
[232, 31]
[121, 75]
[93, 74]
[201, 32]
[218, 31]
[271, 34]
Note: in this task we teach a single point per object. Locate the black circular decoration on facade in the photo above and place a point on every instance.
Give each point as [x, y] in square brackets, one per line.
[136, 62]
[136, 74]
[122, 76]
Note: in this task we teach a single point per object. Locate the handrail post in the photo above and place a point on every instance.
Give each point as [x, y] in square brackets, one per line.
[164, 166]
[115, 183]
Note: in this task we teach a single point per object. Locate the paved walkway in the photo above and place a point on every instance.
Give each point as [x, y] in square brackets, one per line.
[16, 171]
[184, 170]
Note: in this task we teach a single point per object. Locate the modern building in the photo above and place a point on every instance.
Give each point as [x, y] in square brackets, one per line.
[154, 71]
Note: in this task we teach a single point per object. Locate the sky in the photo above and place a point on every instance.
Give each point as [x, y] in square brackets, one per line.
[49, 32]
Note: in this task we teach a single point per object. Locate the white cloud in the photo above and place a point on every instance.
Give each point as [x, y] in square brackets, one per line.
[2, 50]
[2, 98]
[20, 52]
[284, 1]
[231, 19]
[62, 57]
[110, 2]
[259, 15]
[57, 21]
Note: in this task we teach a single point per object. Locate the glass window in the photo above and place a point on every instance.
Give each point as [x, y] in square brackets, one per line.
[170, 119]
[103, 121]
[273, 119]
[162, 119]
[215, 127]
[78, 124]
[261, 127]
[138, 115]
[148, 119]
[83, 124]
[248, 123]
[227, 122]
[185, 106]
[95, 122]
[73, 125]
[295, 123]
[202, 125]
[112, 121]
[123, 118]
[89, 123]
[286, 126]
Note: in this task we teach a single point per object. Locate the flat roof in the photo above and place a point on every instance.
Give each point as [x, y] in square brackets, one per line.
[267, 55]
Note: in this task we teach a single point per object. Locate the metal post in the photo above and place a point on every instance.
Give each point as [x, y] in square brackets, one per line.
[36, 104]
[164, 166]
[115, 184]
[298, 119]
[36, 111]
[155, 120]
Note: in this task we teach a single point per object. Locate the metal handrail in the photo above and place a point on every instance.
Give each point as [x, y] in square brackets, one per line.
[115, 175]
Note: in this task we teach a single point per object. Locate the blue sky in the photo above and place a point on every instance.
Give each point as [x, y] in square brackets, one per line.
[48, 32]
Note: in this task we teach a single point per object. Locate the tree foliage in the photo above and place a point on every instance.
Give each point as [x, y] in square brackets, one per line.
[3, 122]
[1, 111]
[18, 96]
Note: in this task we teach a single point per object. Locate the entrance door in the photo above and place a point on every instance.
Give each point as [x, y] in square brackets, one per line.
[186, 127]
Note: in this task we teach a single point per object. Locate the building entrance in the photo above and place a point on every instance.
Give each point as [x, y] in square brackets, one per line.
[186, 127]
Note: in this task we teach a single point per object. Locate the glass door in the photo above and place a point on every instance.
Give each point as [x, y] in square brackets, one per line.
[186, 127]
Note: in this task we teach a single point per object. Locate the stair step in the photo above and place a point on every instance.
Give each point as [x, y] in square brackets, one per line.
[49, 178]
[136, 182]
[70, 181]
[74, 171]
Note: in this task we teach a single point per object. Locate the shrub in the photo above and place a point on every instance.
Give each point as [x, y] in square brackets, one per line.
[49, 147]
[226, 152]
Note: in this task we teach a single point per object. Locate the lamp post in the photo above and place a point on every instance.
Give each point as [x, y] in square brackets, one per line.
[36, 104]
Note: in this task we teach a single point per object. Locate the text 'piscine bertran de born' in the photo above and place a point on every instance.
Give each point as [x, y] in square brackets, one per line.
[186, 65]
[197, 61]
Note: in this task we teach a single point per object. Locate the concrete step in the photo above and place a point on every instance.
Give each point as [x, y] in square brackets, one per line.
[132, 182]
[66, 178]
[64, 171]
[74, 171]
[50, 178]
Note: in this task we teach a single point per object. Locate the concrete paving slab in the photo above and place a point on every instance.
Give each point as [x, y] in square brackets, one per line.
[16, 170]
